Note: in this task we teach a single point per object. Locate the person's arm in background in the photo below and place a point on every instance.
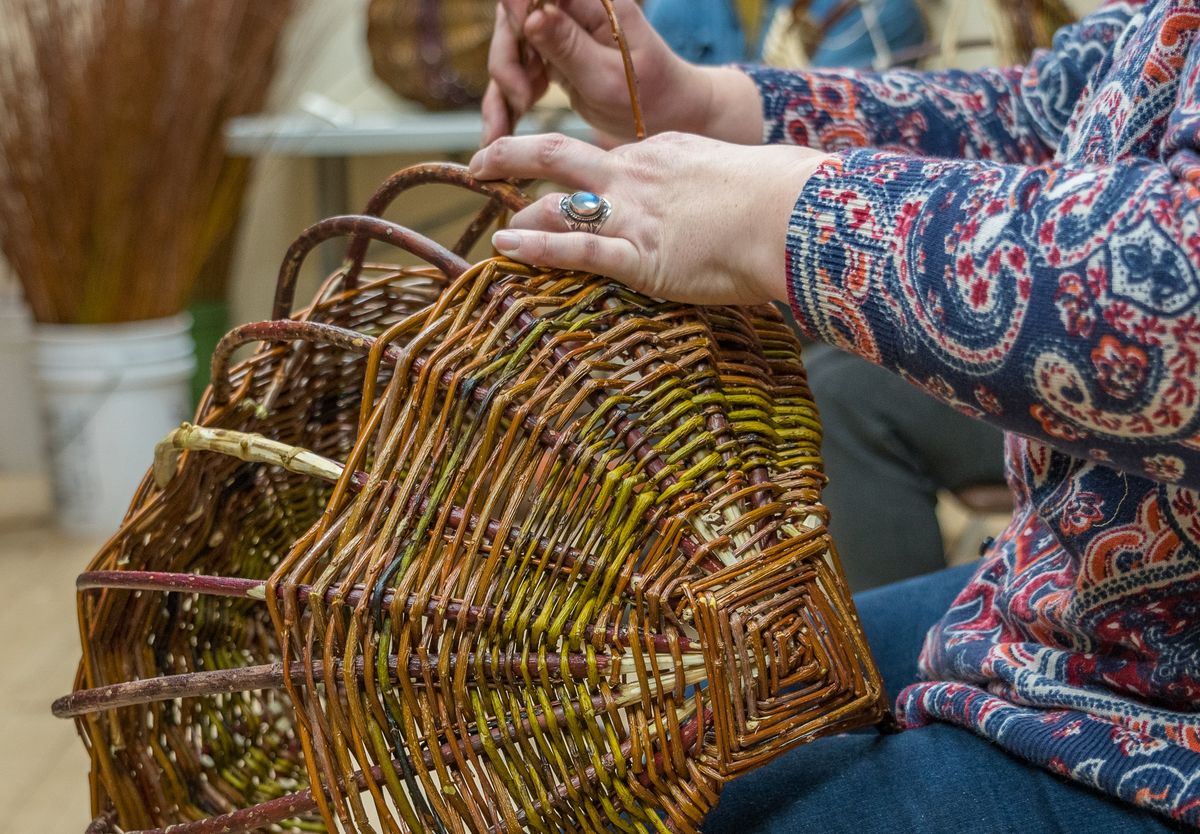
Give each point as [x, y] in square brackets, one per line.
[1014, 114]
[953, 114]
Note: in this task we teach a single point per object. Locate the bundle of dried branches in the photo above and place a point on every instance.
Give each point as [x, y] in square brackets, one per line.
[114, 186]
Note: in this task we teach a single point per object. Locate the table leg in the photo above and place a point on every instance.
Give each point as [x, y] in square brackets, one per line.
[333, 198]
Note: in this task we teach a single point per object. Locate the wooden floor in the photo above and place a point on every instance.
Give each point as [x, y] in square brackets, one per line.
[43, 767]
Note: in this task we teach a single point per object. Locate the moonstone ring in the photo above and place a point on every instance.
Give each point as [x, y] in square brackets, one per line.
[585, 211]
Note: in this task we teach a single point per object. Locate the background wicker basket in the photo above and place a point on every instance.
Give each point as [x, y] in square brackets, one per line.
[433, 52]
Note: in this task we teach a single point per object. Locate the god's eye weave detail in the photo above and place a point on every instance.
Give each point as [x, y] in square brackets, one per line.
[485, 548]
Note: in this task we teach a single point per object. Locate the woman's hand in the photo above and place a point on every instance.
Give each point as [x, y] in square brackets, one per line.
[692, 219]
[571, 42]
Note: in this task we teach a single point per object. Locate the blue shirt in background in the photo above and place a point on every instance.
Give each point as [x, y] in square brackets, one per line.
[709, 32]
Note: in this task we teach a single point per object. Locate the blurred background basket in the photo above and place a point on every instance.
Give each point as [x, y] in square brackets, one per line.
[432, 52]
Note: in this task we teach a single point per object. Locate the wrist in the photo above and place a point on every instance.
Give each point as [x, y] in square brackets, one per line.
[732, 106]
[782, 181]
[721, 103]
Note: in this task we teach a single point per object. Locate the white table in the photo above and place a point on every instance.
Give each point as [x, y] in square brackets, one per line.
[378, 133]
[331, 143]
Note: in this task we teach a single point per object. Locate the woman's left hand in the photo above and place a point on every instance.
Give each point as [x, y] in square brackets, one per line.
[692, 219]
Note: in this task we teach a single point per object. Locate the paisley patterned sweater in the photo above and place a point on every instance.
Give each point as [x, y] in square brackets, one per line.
[1025, 244]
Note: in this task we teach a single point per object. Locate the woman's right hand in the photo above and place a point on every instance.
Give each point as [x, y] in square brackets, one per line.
[571, 42]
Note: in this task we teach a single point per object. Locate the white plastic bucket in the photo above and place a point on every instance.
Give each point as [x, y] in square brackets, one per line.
[21, 451]
[110, 393]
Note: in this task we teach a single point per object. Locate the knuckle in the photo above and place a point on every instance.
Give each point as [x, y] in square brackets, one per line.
[551, 214]
[642, 170]
[641, 163]
[590, 249]
[510, 79]
[498, 151]
[498, 62]
[568, 41]
[539, 248]
[550, 149]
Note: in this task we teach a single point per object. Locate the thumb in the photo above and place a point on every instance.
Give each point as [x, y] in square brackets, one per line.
[565, 45]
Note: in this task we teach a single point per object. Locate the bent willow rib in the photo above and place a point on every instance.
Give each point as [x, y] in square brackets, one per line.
[464, 548]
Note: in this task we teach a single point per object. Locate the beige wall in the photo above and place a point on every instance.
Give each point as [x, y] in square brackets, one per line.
[325, 53]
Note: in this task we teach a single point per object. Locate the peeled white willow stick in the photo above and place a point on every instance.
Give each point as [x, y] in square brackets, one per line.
[253, 448]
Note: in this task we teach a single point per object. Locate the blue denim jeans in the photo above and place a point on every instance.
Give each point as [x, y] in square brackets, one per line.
[939, 779]
[708, 31]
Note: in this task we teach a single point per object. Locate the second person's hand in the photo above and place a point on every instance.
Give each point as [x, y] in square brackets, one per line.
[571, 42]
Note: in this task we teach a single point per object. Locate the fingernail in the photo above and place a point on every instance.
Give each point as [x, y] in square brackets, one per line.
[506, 242]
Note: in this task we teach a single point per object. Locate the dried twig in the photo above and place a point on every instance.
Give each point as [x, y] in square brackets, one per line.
[114, 186]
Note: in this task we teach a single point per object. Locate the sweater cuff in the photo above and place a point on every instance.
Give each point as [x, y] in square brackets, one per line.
[847, 235]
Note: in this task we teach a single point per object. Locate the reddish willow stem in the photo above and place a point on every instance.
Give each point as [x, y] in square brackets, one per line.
[276, 811]
[502, 195]
[282, 330]
[238, 588]
[271, 676]
[368, 228]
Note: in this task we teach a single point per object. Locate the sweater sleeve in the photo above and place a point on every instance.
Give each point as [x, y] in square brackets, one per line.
[1060, 301]
[1007, 115]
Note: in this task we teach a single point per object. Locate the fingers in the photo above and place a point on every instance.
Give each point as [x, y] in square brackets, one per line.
[514, 12]
[543, 215]
[567, 46]
[593, 18]
[613, 257]
[518, 84]
[546, 215]
[504, 63]
[496, 119]
[552, 156]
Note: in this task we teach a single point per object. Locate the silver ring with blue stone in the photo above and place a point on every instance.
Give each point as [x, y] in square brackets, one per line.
[585, 211]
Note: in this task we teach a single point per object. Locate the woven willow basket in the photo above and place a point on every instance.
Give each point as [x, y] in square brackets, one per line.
[463, 548]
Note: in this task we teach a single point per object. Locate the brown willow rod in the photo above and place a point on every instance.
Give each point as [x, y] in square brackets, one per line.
[294, 330]
[452, 610]
[275, 811]
[639, 123]
[502, 195]
[369, 228]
